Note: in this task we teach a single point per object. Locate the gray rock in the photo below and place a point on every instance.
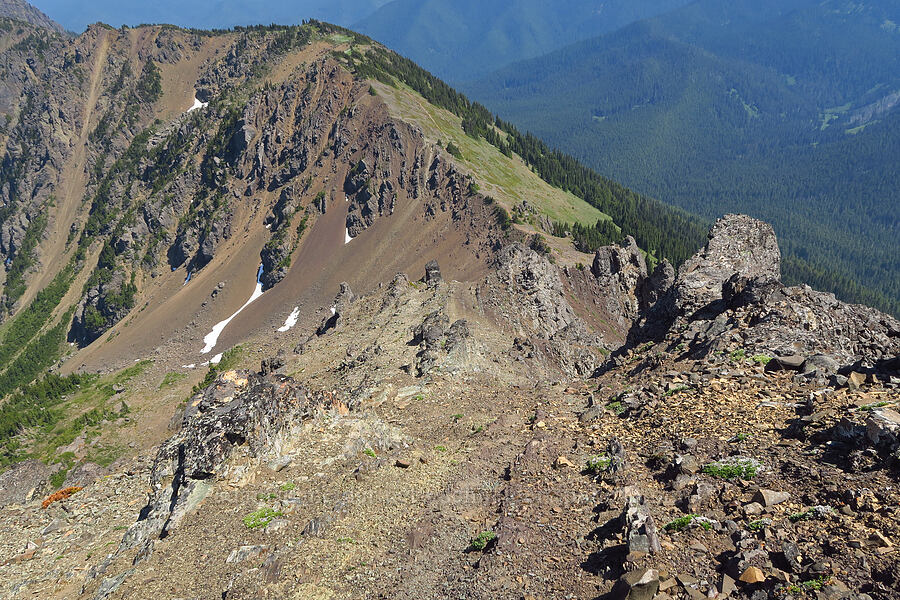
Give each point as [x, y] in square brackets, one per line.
[641, 584]
[316, 526]
[821, 364]
[769, 498]
[244, 553]
[433, 273]
[280, 463]
[239, 410]
[109, 585]
[737, 244]
[640, 528]
[883, 427]
[787, 363]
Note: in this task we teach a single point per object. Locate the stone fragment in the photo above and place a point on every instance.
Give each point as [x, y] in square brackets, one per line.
[883, 427]
[786, 363]
[640, 528]
[769, 498]
[280, 463]
[855, 380]
[563, 462]
[820, 363]
[752, 575]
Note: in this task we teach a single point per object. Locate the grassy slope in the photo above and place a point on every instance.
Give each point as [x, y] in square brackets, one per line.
[507, 179]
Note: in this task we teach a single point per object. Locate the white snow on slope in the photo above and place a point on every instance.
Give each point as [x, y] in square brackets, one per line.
[291, 320]
[197, 104]
[347, 237]
[211, 338]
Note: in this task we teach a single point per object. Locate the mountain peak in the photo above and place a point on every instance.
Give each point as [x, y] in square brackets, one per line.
[21, 10]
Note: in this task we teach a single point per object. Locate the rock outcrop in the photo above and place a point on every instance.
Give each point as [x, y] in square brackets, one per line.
[738, 245]
[240, 410]
[729, 297]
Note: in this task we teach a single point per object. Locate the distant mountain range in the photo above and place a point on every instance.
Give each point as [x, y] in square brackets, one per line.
[787, 110]
[464, 39]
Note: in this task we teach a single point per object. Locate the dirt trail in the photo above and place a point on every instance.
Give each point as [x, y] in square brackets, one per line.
[74, 180]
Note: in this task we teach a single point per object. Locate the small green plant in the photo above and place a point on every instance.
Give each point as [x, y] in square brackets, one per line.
[682, 523]
[738, 355]
[346, 540]
[456, 418]
[372, 91]
[616, 407]
[741, 437]
[171, 378]
[441, 448]
[597, 464]
[759, 524]
[483, 539]
[875, 405]
[677, 389]
[369, 452]
[733, 467]
[287, 487]
[761, 359]
[816, 584]
[816, 512]
[264, 496]
[261, 517]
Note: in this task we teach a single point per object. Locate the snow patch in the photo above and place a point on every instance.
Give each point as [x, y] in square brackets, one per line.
[347, 237]
[268, 226]
[190, 366]
[333, 310]
[197, 104]
[291, 320]
[211, 338]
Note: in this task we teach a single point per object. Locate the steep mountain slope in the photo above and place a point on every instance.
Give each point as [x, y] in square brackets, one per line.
[170, 195]
[20, 10]
[463, 40]
[784, 110]
[207, 15]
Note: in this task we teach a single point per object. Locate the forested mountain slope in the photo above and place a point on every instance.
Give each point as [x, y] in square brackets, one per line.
[784, 110]
[464, 39]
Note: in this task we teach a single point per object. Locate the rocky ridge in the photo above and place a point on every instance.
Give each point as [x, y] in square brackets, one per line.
[454, 412]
